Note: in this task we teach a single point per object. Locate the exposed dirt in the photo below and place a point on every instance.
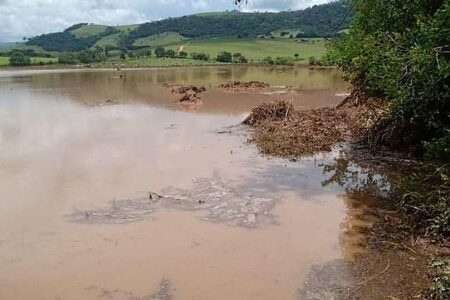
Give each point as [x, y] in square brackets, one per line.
[243, 86]
[280, 130]
[188, 94]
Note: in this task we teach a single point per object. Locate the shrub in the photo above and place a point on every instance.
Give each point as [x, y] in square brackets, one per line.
[224, 57]
[284, 61]
[239, 58]
[200, 56]
[268, 60]
[399, 51]
[439, 148]
[68, 58]
[182, 54]
[160, 52]
[18, 59]
[170, 53]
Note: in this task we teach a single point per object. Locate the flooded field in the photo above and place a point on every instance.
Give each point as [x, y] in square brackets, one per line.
[112, 190]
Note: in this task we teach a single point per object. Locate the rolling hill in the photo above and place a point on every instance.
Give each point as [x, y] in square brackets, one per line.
[318, 21]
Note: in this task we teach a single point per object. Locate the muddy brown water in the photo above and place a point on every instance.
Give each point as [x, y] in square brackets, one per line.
[76, 220]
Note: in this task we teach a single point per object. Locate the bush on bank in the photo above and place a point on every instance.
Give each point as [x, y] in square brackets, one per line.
[400, 51]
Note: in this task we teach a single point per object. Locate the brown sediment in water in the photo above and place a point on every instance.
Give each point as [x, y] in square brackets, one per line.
[195, 237]
[282, 131]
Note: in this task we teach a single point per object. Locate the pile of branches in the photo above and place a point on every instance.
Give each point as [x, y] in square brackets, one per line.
[269, 112]
[280, 130]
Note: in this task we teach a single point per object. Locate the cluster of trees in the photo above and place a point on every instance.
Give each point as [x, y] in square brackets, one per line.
[19, 59]
[200, 56]
[162, 52]
[141, 53]
[97, 54]
[101, 54]
[279, 61]
[66, 41]
[322, 19]
[400, 51]
[227, 57]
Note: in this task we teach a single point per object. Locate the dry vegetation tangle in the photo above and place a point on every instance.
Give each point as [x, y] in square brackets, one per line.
[281, 130]
[243, 86]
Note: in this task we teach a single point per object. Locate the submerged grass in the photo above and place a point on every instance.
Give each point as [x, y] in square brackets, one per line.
[424, 196]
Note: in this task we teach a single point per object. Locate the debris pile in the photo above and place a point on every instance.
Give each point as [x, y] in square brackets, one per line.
[282, 131]
[273, 111]
[188, 94]
[239, 86]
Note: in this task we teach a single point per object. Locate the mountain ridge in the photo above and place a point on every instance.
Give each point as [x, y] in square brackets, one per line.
[317, 21]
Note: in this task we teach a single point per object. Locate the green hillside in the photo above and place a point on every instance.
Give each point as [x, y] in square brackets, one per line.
[162, 39]
[317, 21]
[255, 49]
[89, 30]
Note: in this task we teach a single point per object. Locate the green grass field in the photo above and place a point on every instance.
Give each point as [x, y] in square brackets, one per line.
[163, 39]
[114, 39]
[89, 30]
[256, 49]
[4, 61]
[110, 40]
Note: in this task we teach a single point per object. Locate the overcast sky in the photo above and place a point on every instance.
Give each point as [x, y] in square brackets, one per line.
[26, 18]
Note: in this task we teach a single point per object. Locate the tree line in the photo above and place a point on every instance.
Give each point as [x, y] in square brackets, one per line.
[316, 21]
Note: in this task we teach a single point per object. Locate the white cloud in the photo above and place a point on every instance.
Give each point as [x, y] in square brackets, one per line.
[19, 18]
